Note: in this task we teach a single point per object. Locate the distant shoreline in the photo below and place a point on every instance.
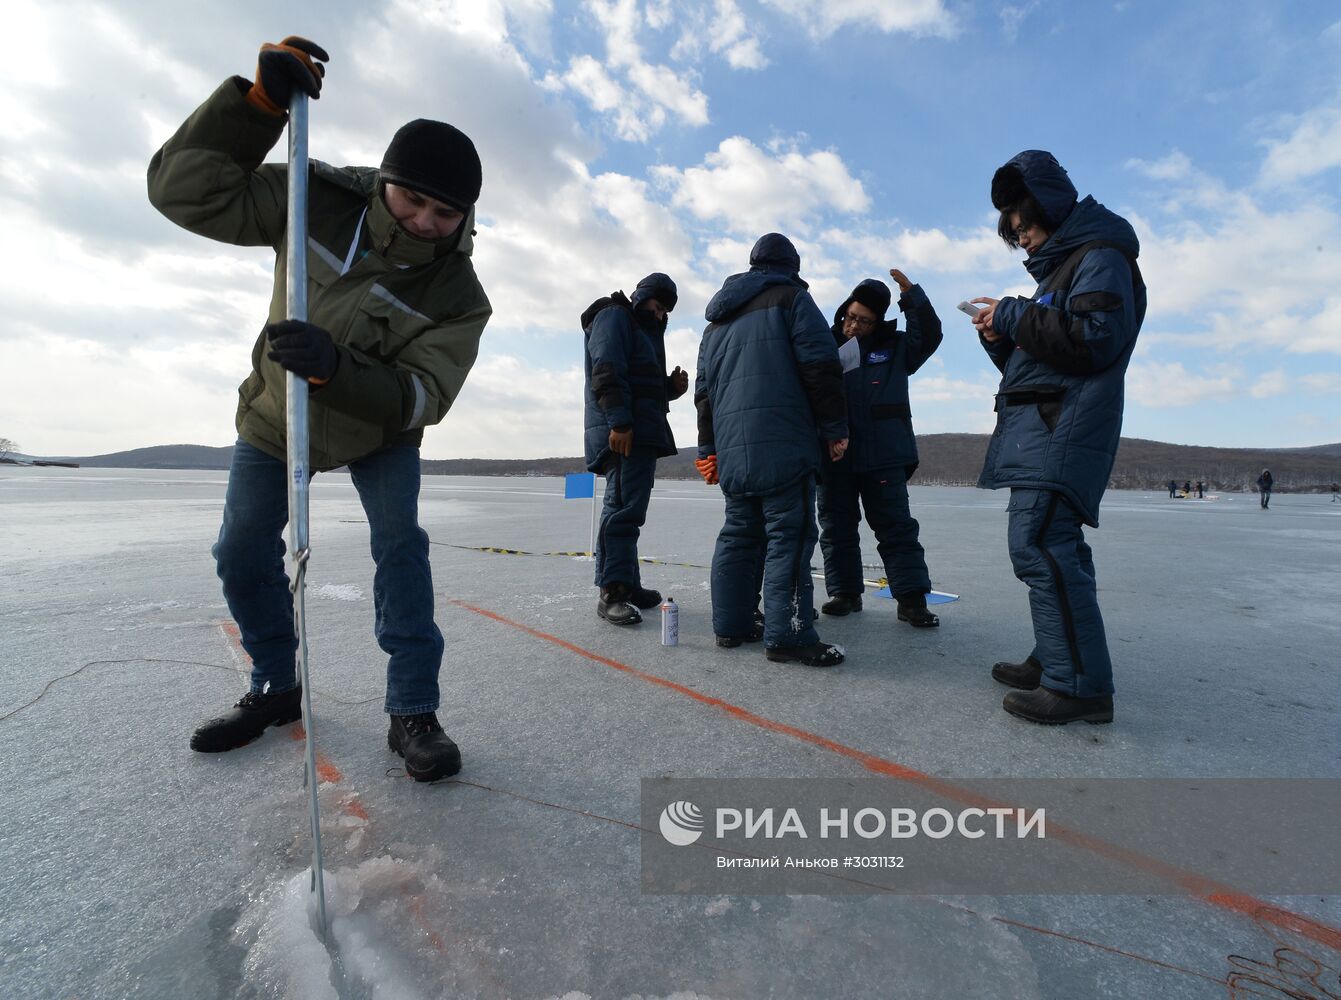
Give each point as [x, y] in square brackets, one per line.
[669, 473]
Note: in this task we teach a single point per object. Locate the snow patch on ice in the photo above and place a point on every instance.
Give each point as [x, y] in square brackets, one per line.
[717, 907]
[338, 592]
[544, 599]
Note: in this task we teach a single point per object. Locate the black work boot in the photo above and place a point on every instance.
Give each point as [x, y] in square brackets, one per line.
[913, 610]
[842, 604]
[613, 605]
[644, 598]
[821, 654]
[247, 720]
[1052, 708]
[756, 633]
[1026, 676]
[429, 753]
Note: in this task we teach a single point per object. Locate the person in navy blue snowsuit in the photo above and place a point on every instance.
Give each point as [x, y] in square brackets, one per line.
[1063, 354]
[882, 451]
[769, 394]
[628, 395]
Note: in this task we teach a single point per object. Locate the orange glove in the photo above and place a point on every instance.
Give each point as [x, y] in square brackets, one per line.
[282, 68]
[707, 468]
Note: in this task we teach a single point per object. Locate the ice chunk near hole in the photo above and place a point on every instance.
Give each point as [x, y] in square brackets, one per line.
[338, 592]
[363, 910]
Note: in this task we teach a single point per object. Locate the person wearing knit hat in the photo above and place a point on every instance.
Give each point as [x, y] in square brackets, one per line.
[385, 350]
[627, 395]
[882, 450]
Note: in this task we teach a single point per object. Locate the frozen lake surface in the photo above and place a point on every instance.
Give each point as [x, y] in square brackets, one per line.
[131, 867]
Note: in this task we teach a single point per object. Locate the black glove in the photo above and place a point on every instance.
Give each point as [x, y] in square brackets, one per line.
[282, 68]
[303, 349]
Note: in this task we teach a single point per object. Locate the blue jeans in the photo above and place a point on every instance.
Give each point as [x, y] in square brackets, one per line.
[1050, 554]
[250, 560]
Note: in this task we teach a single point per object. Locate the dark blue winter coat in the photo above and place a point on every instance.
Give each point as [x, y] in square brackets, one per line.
[769, 388]
[626, 383]
[879, 417]
[1064, 355]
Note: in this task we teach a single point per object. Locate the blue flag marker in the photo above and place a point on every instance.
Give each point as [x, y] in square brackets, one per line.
[935, 597]
[579, 485]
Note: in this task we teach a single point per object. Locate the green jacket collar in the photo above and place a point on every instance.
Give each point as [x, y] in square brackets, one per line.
[403, 248]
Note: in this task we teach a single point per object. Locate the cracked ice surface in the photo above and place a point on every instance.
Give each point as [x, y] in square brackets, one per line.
[130, 866]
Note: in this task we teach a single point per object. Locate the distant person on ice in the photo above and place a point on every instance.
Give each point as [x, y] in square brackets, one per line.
[769, 394]
[396, 315]
[1264, 482]
[628, 395]
[1173, 489]
[882, 451]
[1063, 355]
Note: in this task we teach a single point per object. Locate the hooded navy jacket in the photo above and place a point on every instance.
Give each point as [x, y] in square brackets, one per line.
[626, 380]
[1064, 354]
[879, 416]
[769, 387]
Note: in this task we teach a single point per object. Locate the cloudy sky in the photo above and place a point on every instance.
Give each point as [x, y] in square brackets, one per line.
[624, 136]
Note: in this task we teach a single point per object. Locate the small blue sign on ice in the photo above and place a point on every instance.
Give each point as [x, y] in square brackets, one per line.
[935, 597]
[579, 485]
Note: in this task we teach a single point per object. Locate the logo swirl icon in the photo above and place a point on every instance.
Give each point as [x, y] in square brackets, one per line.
[682, 823]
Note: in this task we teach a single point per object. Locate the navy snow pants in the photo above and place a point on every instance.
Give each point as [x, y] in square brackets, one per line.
[884, 499]
[779, 529]
[1049, 553]
[628, 488]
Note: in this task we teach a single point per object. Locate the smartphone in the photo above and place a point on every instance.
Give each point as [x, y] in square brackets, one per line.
[968, 308]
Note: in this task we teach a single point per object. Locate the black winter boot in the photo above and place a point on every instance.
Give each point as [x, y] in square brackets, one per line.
[613, 605]
[1052, 708]
[1026, 676]
[756, 633]
[429, 753]
[644, 598]
[821, 654]
[248, 719]
[842, 604]
[913, 610]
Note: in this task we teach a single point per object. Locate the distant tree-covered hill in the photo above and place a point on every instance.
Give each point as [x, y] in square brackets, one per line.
[947, 460]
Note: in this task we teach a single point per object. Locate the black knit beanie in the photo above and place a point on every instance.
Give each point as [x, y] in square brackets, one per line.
[435, 159]
[873, 294]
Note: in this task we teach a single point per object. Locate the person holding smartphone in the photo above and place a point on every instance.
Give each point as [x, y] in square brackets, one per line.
[1063, 356]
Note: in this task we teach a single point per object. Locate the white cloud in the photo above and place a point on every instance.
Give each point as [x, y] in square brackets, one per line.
[1314, 146]
[1234, 268]
[1013, 17]
[729, 33]
[541, 420]
[980, 252]
[1175, 166]
[638, 106]
[822, 18]
[1268, 384]
[1169, 384]
[751, 191]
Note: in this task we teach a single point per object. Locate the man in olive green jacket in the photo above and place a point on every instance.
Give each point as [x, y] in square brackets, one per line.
[395, 315]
